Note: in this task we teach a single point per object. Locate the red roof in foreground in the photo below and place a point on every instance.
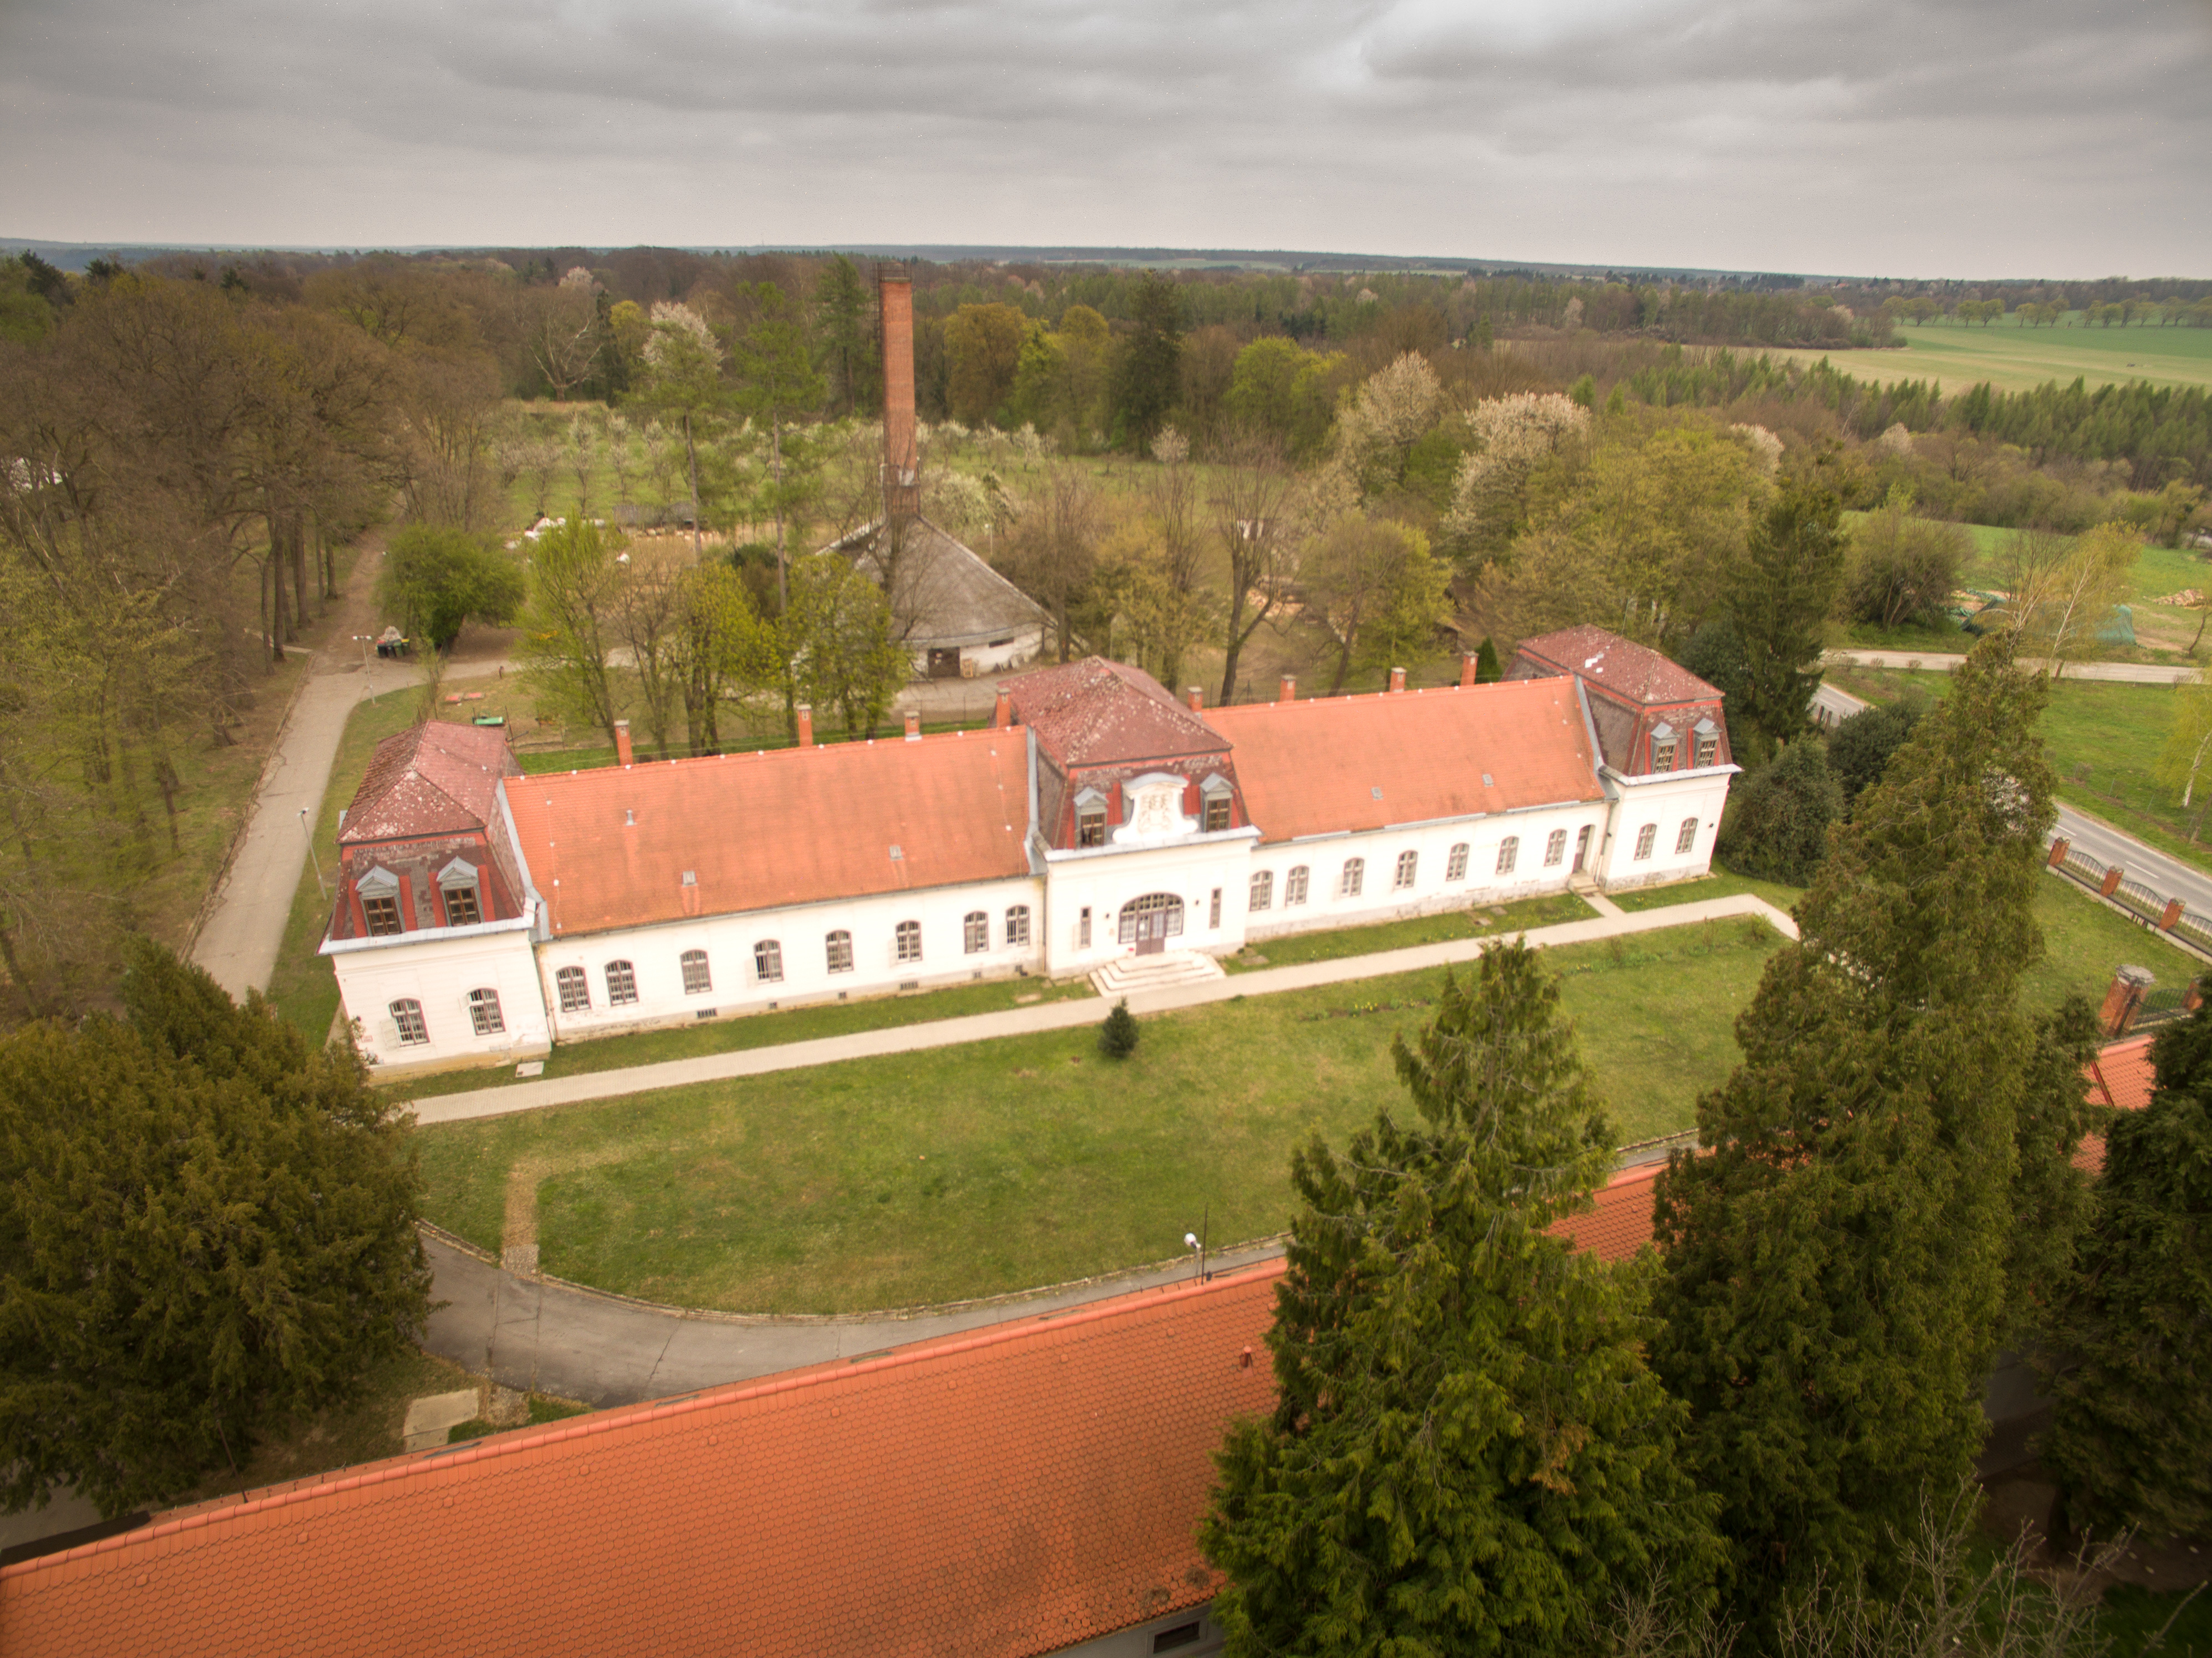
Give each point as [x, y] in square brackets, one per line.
[1316, 766]
[1634, 673]
[438, 778]
[793, 826]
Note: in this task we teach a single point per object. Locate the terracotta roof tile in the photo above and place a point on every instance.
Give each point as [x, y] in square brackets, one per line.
[2121, 1074]
[1097, 713]
[439, 778]
[1621, 1224]
[756, 830]
[1634, 673]
[1362, 762]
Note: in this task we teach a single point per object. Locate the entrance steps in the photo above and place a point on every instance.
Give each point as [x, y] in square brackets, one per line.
[1128, 975]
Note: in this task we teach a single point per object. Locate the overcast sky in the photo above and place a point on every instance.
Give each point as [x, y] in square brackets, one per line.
[1945, 138]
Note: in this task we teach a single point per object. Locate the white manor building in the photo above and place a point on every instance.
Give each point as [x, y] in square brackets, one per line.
[484, 914]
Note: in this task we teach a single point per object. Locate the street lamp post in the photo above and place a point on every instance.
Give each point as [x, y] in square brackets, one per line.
[321, 886]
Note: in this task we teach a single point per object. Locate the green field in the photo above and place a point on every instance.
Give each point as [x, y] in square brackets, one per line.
[2012, 358]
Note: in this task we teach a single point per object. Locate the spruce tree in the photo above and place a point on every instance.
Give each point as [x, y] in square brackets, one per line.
[1837, 1258]
[2128, 1440]
[205, 1227]
[1117, 1036]
[1779, 599]
[1469, 1454]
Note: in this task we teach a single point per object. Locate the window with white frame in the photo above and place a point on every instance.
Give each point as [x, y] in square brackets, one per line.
[379, 903]
[697, 982]
[1688, 839]
[575, 990]
[1091, 819]
[407, 1014]
[461, 908]
[622, 984]
[1017, 924]
[1294, 886]
[1354, 875]
[1263, 890]
[1509, 853]
[1555, 848]
[909, 941]
[1214, 794]
[483, 1012]
[839, 947]
[1213, 909]
[1456, 865]
[767, 960]
[1644, 837]
[1408, 862]
[974, 933]
[1082, 929]
[1663, 747]
[1705, 742]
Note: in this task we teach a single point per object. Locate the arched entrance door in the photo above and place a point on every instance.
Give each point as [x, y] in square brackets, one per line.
[1150, 921]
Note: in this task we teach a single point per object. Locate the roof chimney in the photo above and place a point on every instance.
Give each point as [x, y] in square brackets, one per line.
[1468, 667]
[913, 725]
[1290, 691]
[1002, 713]
[622, 743]
[1397, 680]
[1196, 695]
[805, 726]
[901, 459]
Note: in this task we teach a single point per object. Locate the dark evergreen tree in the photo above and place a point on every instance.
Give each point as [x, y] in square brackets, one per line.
[1715, 653]
[1859, 747]
[1148, 369]
[1486, 670]
[2131, 1439]
[1835, 1259]
[1779, 600]
[1777, 825]
[845, 331]
[1117, 1036]
[205, 1226]
[1469, 1455]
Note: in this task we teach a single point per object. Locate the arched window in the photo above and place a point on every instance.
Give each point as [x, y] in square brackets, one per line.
[407, 1014]
[1355, 874]
[1017, 924]
[1644, 837]
[1294, 886]
[974, 933]
[483, 1012]
[1456, 866]
[840, 944]
[1509, 853]
[1555, 848]
[622, 984]
[909, 941]
[697, 982]
[1408, 862]
[1688, 839]
[575, 990]
[1263, 890]
[767, 960]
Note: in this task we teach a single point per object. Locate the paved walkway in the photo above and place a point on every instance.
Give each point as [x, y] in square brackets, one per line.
[1057, 1015]
[2133, 673]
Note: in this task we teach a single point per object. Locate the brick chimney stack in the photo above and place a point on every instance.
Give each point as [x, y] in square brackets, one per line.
[902, 456]
[1397, 680]
[1002, 712]
[1195, 696]
[1467, 671]
[913, 725]
[805, 726]
[622, 757]
[1290, 690]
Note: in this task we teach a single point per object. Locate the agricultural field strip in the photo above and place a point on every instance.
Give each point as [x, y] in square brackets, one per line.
[1059, 1016]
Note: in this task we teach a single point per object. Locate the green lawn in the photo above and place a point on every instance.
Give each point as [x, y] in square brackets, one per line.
[1483, 921]
[967, 1171]
[1721, 883]
[2012, 358]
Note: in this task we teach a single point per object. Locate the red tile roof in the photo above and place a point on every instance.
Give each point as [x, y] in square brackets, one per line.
[2121, 1075]
[1097, 713]
[756, 830]
[1009, 1493]
[1621, 1222]
[1316, 766]
[437, 778]
[1634, 673]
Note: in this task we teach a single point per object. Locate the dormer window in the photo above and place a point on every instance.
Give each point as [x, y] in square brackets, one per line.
[379, 903]
[1216, 792]
[1664, 746]
[1706, 744]
[457, 884]
[1091, 819]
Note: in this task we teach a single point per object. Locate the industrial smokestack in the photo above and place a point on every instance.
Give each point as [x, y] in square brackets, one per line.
[901, 457]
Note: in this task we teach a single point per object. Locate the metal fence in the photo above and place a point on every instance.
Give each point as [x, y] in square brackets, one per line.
[2152, 908]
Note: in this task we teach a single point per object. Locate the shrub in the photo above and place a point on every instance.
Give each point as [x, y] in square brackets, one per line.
[1859, 748]
[1778, 830]
[1117, 1037]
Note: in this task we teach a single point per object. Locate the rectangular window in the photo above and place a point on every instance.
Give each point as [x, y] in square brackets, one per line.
[909, 941]
[382, 915]
[840, 944]
[1017, 924]
[461, 907]
[575, 990]
[1083, 930]
[1456, 866]
[1509, 853]
[1662, 756]
[1555, 848]
[974, 933]
[1294, 887]
[1707, 746]
[1354, 875]
[1688, 839]
[407, 1014]
[622, 984]
[1408, 862]
[1644, 837]
[483, 1012]
[1263, 890]
[768, 962]
[1213, 909]
[697, 982]
[1216, 812]
[1091, 826]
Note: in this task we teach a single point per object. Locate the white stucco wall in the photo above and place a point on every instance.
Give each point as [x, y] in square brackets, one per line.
[1104, 879]
[439, 969]
[1663, 802]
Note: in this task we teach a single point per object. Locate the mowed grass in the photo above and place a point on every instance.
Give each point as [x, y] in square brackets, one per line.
[1002, 1165]
[1480, 922]
[2012, 358]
